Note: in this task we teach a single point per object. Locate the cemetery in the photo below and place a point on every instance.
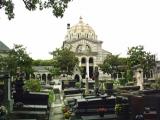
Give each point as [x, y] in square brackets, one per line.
[110, 102]
[83, 83]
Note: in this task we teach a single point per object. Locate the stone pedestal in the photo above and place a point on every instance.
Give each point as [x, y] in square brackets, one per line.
[87, 87]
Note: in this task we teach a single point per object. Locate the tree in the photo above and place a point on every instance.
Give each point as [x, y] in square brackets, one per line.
[42, 63]
[113, 64]
[2, 63]
[138, 56]
[18, 57]
[58, 6]
[32, 85]
[64, 60]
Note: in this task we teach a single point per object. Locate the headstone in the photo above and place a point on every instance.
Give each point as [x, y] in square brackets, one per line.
[86, 86]
[96, 77]
[5, 91]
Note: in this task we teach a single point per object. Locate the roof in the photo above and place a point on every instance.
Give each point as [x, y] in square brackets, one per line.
[41, 68]
[3, 47]
[81, 30]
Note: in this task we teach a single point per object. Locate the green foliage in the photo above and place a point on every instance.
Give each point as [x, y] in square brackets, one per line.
[51, 97]
[156, 85]
[110, 64]
[18, 57]
[58, 6]
[3, 64]
[138, 56]
[129, 75]
[64, 60]
[116, 83]
[78, 84]
[55, 71]
[123, 81]
[8, 6]
[32, 85]
[42, 63]
[113, 64]
[118, 108]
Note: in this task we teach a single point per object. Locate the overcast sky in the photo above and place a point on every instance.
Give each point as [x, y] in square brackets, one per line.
[118, 23]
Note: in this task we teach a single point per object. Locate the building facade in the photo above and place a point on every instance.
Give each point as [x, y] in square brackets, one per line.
[4, 50]
[82, 40]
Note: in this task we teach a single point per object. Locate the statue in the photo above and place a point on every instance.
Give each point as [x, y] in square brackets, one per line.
[139, 77]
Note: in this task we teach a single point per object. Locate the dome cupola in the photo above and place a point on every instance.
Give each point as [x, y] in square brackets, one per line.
[80, 31]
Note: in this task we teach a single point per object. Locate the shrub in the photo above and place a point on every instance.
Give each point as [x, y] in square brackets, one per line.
[118, 108]
[32, 85]
[156, 85]
[78, 84]
[51, 97]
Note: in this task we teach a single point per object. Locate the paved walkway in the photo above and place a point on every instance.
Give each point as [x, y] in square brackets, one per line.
[56, 112]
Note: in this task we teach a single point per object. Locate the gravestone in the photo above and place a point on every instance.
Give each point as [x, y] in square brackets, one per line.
[96, 77]
[5, 91]
[86, 86]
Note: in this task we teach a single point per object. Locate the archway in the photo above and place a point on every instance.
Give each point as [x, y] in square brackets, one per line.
[44, 77]
[49, 77]
[77, 78]
[33, 76]
[83, 60]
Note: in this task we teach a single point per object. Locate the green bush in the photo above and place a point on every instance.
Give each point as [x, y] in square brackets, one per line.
[51, 97]
[77, 84]
[32, 85]
[156, 85]
[123, 81]
[118, 108]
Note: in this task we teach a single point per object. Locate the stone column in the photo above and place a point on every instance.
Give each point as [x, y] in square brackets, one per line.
[117, 76]
[87, 87]
[80, 62]
[46, 78]
[96, 77]
[87, 67]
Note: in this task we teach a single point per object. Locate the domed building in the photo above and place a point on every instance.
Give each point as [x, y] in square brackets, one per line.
[82, 39]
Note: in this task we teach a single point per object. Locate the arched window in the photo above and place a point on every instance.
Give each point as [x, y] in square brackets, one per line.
[44, 77]
[83, 60]
[90, 60]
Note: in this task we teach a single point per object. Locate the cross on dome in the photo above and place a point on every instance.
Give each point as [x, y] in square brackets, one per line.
[80, 19]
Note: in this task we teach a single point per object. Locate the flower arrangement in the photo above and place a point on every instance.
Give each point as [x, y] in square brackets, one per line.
[101, 111]
[3, 111]
[67, 115]
[64, 109]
